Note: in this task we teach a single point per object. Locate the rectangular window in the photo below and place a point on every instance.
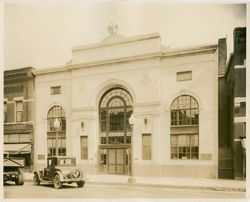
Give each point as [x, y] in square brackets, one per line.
[116, 117]
[51, 147]
[61, 146]
[24, 137]
[103, 156]
[240, 109]
[55, 90]
[146, 146]
[84, 147]
[184, 146]
[13, 138]
[5, 112]
[19, 111]
[184, 117]
[17, 138]
[184, 76]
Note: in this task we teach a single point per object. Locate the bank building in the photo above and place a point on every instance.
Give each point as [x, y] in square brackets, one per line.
[130, 101]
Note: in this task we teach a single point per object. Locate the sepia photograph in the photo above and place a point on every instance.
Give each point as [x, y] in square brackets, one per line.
[134, 100]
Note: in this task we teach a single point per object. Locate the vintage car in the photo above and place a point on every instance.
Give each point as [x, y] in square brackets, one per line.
[12, 170]
[59, 170]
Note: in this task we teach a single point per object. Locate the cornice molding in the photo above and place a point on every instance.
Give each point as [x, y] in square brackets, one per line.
[116, 60]
[196, 50]
[159, 54]
[51, 70]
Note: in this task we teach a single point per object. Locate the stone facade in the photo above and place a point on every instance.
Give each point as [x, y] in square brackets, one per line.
[154, 77]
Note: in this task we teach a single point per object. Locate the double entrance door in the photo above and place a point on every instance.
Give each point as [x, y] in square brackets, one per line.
[115, 161]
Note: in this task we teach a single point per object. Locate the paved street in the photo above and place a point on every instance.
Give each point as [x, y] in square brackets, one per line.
[28, 190]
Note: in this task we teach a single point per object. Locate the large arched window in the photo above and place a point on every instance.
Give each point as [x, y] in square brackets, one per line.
[115, 109]
[184, 128]
[56, 112]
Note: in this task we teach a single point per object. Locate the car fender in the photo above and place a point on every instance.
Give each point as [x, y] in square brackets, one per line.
[60, 175]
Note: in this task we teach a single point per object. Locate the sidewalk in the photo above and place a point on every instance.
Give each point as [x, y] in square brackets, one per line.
[187, 183]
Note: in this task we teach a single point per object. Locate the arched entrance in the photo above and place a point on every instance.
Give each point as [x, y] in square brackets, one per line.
[115, 108]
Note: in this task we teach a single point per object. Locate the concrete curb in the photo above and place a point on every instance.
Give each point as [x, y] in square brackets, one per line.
[197, 187]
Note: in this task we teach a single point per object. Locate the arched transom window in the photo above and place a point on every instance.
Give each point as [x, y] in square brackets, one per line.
[115, 109]
[184, 128]
[56, 112]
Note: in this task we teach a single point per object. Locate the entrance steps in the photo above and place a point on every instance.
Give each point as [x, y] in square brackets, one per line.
[226, 166]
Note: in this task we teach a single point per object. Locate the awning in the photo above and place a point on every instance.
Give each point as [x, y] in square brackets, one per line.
[17, 148]
[13, 162]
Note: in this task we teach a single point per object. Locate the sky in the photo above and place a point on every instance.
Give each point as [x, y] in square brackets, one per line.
[42, 34]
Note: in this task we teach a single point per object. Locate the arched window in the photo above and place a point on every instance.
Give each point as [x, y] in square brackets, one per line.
[115, 109]
[184, 128]
[56, 112]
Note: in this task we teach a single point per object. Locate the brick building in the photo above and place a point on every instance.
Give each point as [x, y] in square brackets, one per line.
[19, 114]
[232, 109]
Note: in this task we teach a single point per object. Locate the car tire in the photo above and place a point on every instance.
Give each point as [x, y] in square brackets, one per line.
[80, 183]
[57, 182]
[20, 179]
[36, 180]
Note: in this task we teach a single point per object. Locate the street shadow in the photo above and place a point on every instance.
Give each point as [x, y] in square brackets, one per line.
[64, 186]
[10, 184]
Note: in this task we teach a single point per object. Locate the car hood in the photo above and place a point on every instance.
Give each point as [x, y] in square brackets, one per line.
[68, 170]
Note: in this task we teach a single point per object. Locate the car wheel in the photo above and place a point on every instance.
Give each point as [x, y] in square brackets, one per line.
[80, 183]
[57, 182]
[36, 180]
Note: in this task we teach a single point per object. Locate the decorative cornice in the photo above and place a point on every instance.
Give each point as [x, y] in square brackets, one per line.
[162, 54]
[51, 70]
[180, 52]
[116, 60]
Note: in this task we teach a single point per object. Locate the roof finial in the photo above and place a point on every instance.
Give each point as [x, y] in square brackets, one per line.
[113, 29]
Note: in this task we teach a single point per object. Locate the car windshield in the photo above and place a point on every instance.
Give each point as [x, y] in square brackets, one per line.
[65, 161]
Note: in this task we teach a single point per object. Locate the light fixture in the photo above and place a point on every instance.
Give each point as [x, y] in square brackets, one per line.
[145, 122]
[56, 124]
[82, 125]
[131, 119]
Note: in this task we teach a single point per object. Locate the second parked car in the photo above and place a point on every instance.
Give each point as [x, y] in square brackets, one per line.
[60, 170]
